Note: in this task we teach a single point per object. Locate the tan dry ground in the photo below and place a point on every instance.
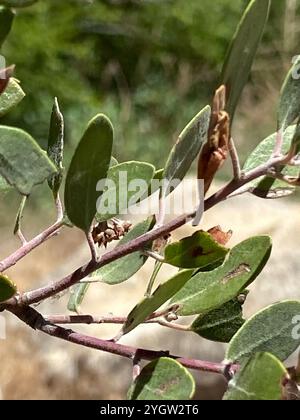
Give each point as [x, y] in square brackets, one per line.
[35, 366]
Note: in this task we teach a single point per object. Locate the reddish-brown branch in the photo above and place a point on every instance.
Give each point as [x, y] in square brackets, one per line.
[35, 320]
[19, 305]
[139, 243]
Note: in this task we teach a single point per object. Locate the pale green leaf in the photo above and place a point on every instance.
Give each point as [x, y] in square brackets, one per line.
[89, 165]
[11, 97]
[289, 105]
[163, 379]
[242, 51]
[186, 149]
[23, 163]
[126, 184]
[162, 294]
[274, 330]
[220, 324]
[260, 378]
[206, 291]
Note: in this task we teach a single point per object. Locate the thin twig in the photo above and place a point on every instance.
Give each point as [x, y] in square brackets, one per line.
[160, 217]
[174, 326]
[29, 246]
[243, 190]
[46, 292]
[92, 246]
[91, 280]
[278, 144]
[234, 159]
[35, 320]
[100, 320]
[139, 243]
[293, 181]
[84, 319]
[157, 257]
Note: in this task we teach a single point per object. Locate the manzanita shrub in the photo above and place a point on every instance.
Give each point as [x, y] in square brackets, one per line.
[212, 279]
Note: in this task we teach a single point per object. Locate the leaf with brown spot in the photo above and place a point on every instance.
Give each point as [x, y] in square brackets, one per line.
[198, 250]
[206, 290]
[241, 269]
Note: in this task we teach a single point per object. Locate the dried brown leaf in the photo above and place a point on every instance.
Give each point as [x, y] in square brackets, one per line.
[215, 152]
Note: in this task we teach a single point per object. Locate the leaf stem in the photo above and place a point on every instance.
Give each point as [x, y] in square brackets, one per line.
[278, 144]
[59, 208]
[234, 159]
[92, 246]
[18, 227]
[157, 267]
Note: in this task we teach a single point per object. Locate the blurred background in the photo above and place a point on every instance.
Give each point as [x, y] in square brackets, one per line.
[150, 65]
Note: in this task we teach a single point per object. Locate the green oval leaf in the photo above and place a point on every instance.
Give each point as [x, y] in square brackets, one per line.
[162, 294]
[56, 146]
[6, 20]
[289, 105]
[267, 187]
[209, 290]
[89, 165]
[272, 330]
[126, 184]
[7, 288]
[11, 97]
[23, 163]
[260, 378]
[186, 149]
[242, 51]
[163, 379]
[198, 250]
[124, 268]
[220, 324]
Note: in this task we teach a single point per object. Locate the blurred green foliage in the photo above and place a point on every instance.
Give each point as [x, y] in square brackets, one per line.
[149, 64]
